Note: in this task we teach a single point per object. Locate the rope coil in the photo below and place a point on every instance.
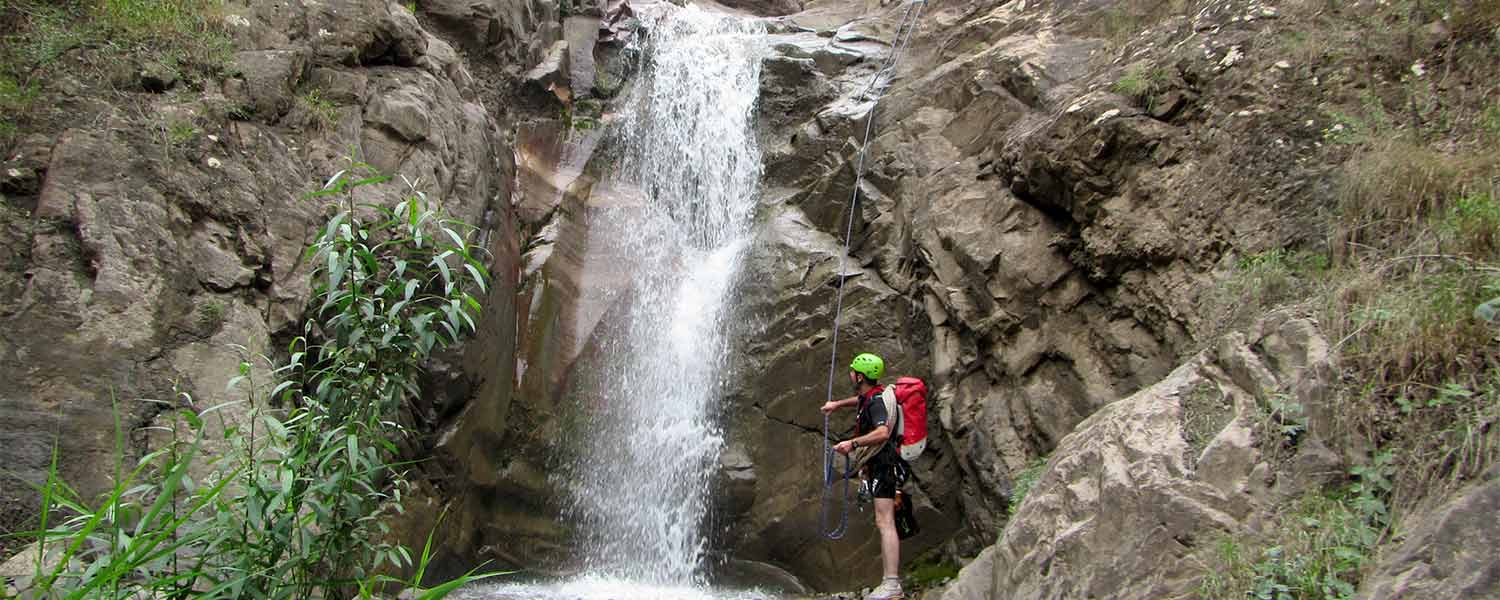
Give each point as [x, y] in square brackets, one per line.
[909, 22]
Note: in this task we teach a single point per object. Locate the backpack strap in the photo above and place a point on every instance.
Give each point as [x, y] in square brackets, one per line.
[893, 411]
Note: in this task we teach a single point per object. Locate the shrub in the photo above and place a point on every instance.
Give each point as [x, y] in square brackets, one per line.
[1140, 82]
[296, 510]
[1317, 550]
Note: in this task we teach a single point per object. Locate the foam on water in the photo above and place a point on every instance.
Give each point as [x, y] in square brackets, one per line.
[602, 588]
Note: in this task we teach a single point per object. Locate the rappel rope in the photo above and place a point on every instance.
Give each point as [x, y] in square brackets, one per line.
[909, 22]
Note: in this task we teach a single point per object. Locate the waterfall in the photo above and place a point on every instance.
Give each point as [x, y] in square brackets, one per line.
[687, 148]
[675, 226]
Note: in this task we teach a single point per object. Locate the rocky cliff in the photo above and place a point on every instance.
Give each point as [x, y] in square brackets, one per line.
[157, 231]
[1054, 195]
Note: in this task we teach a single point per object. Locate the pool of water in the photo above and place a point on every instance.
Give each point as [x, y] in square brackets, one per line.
[602, 588]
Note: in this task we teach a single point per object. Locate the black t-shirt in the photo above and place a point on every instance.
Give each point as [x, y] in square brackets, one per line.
[872, 414]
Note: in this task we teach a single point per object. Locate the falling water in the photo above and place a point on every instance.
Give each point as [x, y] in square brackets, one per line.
[649, 442]
[689, 149]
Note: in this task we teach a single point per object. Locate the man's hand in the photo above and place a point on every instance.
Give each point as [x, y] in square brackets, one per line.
[844, 447]
[829, 407]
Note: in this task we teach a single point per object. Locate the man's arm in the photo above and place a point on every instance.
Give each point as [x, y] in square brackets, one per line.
[874, 438]
[829, 407]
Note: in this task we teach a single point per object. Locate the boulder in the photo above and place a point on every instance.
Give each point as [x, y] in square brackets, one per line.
[1130, 502]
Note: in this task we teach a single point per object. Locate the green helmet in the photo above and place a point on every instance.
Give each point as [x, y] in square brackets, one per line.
[868, 365]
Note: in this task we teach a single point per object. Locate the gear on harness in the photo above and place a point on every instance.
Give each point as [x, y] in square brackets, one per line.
[909, 22]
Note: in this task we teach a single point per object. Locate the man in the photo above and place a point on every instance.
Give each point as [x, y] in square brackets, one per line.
[884, 472]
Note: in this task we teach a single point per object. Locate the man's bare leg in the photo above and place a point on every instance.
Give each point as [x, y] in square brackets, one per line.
[890, 543]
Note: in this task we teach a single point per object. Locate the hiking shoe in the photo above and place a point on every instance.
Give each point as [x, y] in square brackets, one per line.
[889, 589]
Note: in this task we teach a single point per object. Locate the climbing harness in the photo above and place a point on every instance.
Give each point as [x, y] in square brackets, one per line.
[831, 474]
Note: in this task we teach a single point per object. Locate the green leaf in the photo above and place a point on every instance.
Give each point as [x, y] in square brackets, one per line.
[477, 275]
[336, 268]
[442, 266]
[1489, 311]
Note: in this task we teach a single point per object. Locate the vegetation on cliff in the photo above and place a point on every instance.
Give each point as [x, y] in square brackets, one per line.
[1409, 257]
[120, 43]
[298, 508]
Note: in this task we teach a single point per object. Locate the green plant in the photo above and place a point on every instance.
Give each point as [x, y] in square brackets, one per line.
[1489, 120]
[211, 313]
[325, 113]
[1314, 551]
[582, 115]
[296, 509]
[181, 133]
[929, 571]
[1140, 82]
[1023, 482]
[1472, 225]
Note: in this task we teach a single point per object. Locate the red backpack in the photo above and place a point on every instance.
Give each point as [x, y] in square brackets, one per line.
[911, 394]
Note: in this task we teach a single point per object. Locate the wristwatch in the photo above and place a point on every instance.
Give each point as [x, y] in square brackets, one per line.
[853, 444]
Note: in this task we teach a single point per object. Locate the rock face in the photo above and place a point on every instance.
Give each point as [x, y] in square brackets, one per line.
[1146, 484]
[1026, 238]
[142, 259]
[1039, 241]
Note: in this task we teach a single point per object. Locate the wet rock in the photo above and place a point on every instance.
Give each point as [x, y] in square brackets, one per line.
[552, 73]
[581, 34]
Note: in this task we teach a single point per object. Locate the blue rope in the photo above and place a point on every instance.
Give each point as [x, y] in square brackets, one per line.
[909, 22]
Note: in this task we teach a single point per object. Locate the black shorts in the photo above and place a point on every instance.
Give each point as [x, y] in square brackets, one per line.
[884, 478]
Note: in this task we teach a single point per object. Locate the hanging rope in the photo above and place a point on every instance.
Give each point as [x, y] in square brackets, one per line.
[832, 476]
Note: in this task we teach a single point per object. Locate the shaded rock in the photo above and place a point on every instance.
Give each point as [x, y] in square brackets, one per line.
[403, 111]
[157, 78]
[1448, 553]
[364, 32]
[218, 266]
[796, 268]
[265, 81]
[339, 86]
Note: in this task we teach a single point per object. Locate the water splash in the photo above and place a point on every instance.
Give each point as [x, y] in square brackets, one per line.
[601, 588]
[652, 444]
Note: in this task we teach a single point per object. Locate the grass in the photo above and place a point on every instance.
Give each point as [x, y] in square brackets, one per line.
[211, 314]
[46, 39]
[1023, 482]
[1121, 21]
[1140, 82]
[1408, 255]
[324, 112]
[1317, 550]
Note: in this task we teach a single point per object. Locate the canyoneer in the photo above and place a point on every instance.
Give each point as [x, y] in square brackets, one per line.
[875, 448]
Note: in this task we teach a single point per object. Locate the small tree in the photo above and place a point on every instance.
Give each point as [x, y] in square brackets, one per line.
[298, 510]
